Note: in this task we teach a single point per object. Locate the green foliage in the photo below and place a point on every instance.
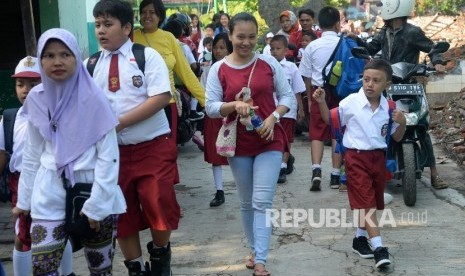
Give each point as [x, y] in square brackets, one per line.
[448, 7]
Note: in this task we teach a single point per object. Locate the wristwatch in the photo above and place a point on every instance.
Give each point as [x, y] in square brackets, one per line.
[276, 116]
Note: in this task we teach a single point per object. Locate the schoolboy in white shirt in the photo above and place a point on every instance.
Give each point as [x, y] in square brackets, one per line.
[279, 49]
[147, 154]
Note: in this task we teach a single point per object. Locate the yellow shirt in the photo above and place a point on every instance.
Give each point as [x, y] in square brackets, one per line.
[167, 46]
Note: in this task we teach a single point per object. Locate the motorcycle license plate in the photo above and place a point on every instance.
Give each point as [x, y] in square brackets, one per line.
[406, 89]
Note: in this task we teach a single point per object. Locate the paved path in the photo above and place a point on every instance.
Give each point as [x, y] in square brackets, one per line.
[427, 239]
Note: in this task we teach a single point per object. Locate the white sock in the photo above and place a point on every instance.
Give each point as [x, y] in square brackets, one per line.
[141, 261]
[336, 171]
[22, 262]
[361, 233]
[283, 165]
[316, 166]
[376, 242]
[66, 264]
[218, 177]
[194, 102]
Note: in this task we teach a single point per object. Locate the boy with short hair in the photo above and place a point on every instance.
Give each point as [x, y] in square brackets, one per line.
[315, 57]
[205, 57]
[366, 116]
[209, 32]
[279, 46]
[307, 37]
[147, 153]
[13, 128]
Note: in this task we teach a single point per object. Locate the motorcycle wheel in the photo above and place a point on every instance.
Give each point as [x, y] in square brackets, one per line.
[409, 181]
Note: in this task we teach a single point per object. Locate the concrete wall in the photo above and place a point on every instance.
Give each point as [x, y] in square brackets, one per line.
[442, 88]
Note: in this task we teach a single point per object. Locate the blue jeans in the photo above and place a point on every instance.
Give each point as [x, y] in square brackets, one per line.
[256, 178]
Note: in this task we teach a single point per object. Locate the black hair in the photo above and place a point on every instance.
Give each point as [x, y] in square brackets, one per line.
[328, 17]
[307, 11]
[225, 38]
[311, 34]
[207, 40]
[199, 23]
[280, 38]
[242, 16]
[211, 26]
[159, 7]
[382, 65]
[118, 9]
[175, 27]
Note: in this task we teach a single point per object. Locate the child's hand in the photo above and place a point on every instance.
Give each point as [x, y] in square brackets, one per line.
[94, 224]
[300, 115]
[16, 212]
[319, 95]
[398, 117]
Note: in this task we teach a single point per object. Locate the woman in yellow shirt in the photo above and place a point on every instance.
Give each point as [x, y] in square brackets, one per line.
[152, 15]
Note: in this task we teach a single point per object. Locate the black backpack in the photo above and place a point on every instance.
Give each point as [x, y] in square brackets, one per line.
[9, 118]
[137, 50]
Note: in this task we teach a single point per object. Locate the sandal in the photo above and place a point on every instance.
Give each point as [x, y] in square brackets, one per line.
[438, 183]
[250, 262]
[261, 271]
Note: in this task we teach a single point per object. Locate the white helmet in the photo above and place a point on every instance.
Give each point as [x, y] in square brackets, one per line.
[396, 8]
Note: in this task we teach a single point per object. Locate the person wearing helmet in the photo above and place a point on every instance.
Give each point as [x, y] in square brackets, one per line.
[186, 24]
[400, 41]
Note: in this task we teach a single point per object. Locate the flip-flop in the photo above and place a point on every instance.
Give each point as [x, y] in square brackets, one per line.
[261, 273]
[250, 262]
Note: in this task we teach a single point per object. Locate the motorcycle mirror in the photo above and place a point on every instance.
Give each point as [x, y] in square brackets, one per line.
[360, 52]
[440, 47]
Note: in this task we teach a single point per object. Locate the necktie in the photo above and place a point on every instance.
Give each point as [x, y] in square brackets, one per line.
[113, 78]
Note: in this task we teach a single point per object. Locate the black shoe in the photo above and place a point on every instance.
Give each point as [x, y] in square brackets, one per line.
[316, 180]
[218, 200]
[160, 260]
[381, 257]
[361, 246]
[134, 269]
[282, 176]
[290, 164]
[195, 116]
[335, 181]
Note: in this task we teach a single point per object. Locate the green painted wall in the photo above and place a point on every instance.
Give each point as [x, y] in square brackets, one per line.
[49, 16]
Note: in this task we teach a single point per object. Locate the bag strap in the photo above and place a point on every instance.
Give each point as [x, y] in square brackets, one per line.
[138, 51]
[392, 106]
[9, 118]
[337, 130]
[251, 72]
[331, 58]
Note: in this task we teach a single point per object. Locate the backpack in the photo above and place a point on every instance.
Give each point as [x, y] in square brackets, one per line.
[338, 130]
[352, 68]
[137, 50]
[9, 118]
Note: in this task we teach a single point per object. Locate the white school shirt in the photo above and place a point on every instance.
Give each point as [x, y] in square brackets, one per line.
[19, 132]
[365, 129]
[295, 81]
[267, 50]
[153, 82]
[316, 55]
[187, 53]
[41, 188]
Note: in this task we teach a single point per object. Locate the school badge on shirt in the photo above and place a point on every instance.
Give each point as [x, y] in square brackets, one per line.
[137, 81]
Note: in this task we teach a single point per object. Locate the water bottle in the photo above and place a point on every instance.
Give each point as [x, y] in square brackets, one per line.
[343, 178]
[336, 73]
[257, 122]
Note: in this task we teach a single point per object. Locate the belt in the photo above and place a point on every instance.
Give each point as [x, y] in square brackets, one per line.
[358, 150]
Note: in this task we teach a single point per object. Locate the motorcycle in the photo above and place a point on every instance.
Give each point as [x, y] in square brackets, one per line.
[411, 153]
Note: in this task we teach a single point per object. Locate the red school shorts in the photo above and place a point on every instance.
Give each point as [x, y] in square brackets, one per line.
[318, 129]
[23, 224]
[146, 178]
[366, 178]
[288, 125]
